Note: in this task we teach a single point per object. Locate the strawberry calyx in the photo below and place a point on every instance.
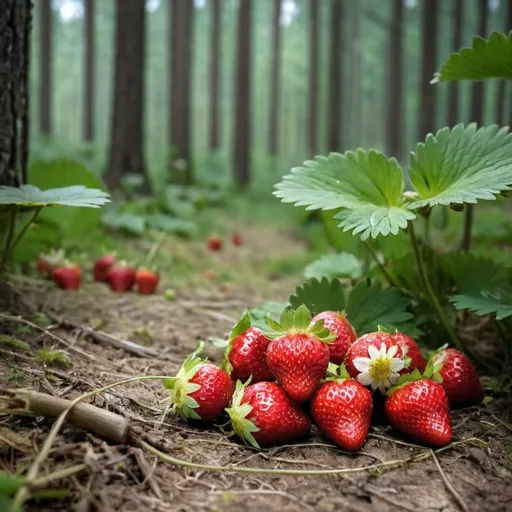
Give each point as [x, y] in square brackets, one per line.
[183, 403]
[239, 328]
[298, 321]
[337, 372]
[431, 372]
[238, 413]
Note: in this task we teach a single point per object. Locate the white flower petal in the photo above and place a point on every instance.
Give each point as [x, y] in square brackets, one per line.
[392, 351]
[383, 350]
[365, 378]
[393, 378]
[397, 364]
[362, 364]
[382, 389]
[373, 352]
[374, 384]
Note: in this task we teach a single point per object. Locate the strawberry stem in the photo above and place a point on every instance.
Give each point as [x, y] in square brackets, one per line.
[154, 249]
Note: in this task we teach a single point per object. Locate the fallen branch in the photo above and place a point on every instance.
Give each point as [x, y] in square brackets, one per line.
[104, 423]
[449, 486]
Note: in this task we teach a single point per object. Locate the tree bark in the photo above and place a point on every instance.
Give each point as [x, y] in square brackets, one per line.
[453, 95]
[273, 132]
[45, 67]
[89, 69]
[428, 68]
[215, 92]
[242, 124]
[335, 83]
[312, 121]
[395, 82]
[126, 154]
[182, 15]
[477, 105]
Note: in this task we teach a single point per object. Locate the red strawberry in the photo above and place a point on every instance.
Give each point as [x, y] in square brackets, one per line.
[299, 356]
[147, 281]
[460, 380]
[421, 410]
[263, 415]
[200, 390]
[121, 277]
[67, 277]
[338, 324]
[342, 409]
[43, 266]
[47, 262]
[236, 239]
[410, 349]
[214, 243]
[245, 354]
[102, 267]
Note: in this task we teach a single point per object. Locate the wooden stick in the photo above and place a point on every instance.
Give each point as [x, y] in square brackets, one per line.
[104, 423]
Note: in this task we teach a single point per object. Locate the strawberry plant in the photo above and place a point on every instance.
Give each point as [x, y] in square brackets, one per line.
[364, 192]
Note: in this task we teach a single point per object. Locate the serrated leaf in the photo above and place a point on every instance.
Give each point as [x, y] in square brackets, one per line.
[259, 313]
[367, 185]
[461, 165]
[486, 302]
[333, 266]
[487, 58]
[319, 295]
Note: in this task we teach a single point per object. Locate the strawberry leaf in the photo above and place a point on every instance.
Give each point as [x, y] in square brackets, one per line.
[487, 58]
[486, 302]
[259, 314]
[334, 266]
[319, 295]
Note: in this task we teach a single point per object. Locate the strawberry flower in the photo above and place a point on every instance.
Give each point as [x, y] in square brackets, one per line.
[381, 369]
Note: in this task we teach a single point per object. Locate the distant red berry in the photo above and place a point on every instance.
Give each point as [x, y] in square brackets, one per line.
[67, 277]
[121, 277]
[146, 281]
[236, 239]
[102, 267]
[215, 243]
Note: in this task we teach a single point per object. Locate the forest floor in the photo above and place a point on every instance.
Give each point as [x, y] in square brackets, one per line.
[473, 473]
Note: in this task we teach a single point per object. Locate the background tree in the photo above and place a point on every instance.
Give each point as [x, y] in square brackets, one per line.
[273, 132]
[126, 154]
[456, 43]
[215, 74]
[182, 17]
[477, 104]
[313, 74]
[45, 63]
[89, 69]
[504, 85]
[242, 107]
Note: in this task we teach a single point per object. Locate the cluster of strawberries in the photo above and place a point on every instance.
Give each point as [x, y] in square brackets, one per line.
[320, 365]
[121, 276]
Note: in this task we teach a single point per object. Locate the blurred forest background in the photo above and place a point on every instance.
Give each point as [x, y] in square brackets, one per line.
[248, 88]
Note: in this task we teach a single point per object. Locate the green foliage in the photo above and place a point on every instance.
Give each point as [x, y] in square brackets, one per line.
[172, 225]
[486, 302]
[54, 357]
[38, 238]
[130, 223]
[334, 266]
[14, 343]
[259, 314]
[320, 295]
[487, 58]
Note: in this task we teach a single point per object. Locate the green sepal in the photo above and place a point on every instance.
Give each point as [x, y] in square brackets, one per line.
[337, 372]
[238, 413]
[343, 372]
[239, 328]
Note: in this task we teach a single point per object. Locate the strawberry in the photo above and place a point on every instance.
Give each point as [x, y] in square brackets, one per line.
[47, 262]
[460, 380]
[420, 409]
[338, 324]
[236, 239]
[102, 267]
[245, 355]
[147, 281]
[263, 415]
[342, 410]
[67, 276]
[121, 277]
[299, 356]
[200, 390]
[411, 350]
[214, 243]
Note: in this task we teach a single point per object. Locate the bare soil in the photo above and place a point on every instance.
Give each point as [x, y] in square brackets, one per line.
[475, 473]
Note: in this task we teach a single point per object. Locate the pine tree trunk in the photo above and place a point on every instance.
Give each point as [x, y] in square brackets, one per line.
[428, 68]
[477, 105]
[182, 16]
[89, 75]
[312, 120]
[45, 66]
[335, 83]
[127, 129]
[395, 82]
[453, 96]
[273, 132]
[215, 92]
[242, 121]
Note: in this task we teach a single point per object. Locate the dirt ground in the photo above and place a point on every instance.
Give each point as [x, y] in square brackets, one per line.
[474, 473]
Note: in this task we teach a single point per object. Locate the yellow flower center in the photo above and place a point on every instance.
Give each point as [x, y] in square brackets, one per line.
[380, 368]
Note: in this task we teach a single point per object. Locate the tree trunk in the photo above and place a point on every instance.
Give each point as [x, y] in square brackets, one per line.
[428, 68]
[395, 82]
[312, 121]
[353, 137]
[45, 67]
[453, 95]
[182, 15]
[215, 69]
[504, 85]
[126, 144]
[242, 124]
[89, 76]
[335, 84]
[477, 105]
[273, 132]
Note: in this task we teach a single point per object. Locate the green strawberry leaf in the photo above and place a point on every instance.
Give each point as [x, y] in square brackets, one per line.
[259, 313]
[487, 58]
[334, 266]
[319, 295]
[486, 302]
